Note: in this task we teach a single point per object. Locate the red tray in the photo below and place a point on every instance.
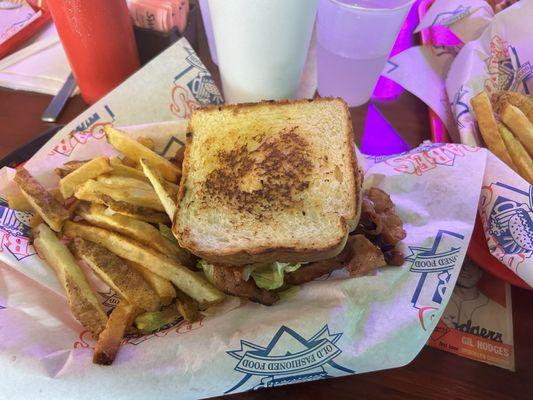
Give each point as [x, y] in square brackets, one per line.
[18, 39]
[478, 250]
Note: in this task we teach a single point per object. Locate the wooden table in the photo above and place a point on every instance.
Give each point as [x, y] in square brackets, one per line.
[434, 374]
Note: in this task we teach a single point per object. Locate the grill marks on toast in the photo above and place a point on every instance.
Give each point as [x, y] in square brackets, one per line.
[261, 176]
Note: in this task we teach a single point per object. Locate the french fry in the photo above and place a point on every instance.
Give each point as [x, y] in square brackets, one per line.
[89, 170]
[69, 167]
[129, 162]
[519, 125]
[186, 280]
[92, 191]
[146, 142]
[82, 301]
[137, 230]
[161, 286]
[125, 182]
[113, 270]
[140, 213]
[139, 182]
[109, 340]
[522, 160]
[166, 195]
[72, 207]
[18, 202]
[172, 188]
[123, 170]
[489, 128]
[179, 156]
[36, 220]
[523, 102]
[187, 307]
[56, 193]
[136, 151]
[51, 210]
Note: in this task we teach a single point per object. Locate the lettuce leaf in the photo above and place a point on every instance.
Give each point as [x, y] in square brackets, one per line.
[167, 232]
[207, 268]
[151, 321]
[269, 277]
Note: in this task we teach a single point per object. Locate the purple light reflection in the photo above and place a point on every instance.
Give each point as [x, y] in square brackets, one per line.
[386, 89]
[379, 137]
[444, 36]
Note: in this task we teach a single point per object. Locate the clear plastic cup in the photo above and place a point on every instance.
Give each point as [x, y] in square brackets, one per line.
[354, 39]
[261, 46]
[206, 18]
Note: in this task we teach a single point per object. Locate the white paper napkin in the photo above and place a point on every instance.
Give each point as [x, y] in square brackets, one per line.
[15, 16]
[40, 67]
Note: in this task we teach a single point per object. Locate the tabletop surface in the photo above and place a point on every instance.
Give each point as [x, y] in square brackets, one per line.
[433, 374]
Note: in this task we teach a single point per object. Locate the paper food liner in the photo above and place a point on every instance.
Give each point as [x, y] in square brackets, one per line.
[331, 327]
[497, 56]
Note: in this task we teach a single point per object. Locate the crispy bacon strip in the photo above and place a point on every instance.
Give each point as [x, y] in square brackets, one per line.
[370, 221]
[315, 270]
[312, 271]
[394, 257]
[230, 281]
[360, 256]
[366, 256]
[378, 217]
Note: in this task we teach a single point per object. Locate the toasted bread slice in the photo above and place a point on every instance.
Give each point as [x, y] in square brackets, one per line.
[271, 181]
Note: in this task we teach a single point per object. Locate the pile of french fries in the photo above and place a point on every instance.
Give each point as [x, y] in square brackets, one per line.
[117, 223]
[506, 125]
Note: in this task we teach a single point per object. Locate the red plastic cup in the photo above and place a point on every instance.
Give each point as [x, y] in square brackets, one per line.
[98, 39]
